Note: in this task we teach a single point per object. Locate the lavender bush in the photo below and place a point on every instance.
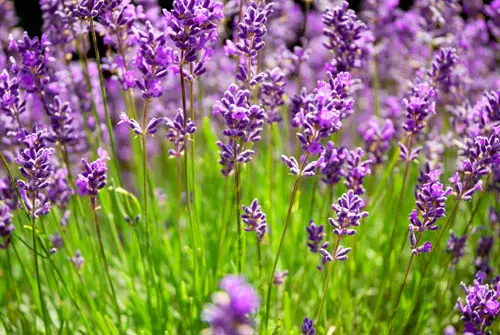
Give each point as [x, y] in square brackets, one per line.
[250, 167]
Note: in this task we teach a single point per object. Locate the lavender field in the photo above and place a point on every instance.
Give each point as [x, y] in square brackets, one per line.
[244, 167]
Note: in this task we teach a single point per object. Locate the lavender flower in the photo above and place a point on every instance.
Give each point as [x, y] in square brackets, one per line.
[356, 170]
[480, 307]
[243, 124]
[252, 28]
[229, 312]
[307, 327]
[61, 121]
[271, 92]
[192, 25]
[254, 219]
[456, 247]
[89, 8]
[78, 260]
[377, 138]
[349, 213]
[279, 277]
[153, 60]
[348, 38]
[316, 234]
[431, 199]
[93, 177]
[332, 164]
[6, 226]
[36, 167]
[442, 67]
[483, 254]
[56, 241]
[419, 107]
[178, 132]
[12, 101]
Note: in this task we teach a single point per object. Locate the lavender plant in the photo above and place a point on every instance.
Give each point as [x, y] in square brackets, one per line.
[374, 106]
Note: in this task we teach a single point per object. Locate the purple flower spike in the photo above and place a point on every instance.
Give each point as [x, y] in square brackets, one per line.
[377, 138]
[349, 213]
[332, 165]
[89, 8]
[483, 254]
[315, 236]
[151, 127]
[255, 219]
[480, 307]
[230, 310]
[252, 28]
[419, 107]
[192, 25]
[93, 177]
[355, 170]
[348, 38]
[271, 92]
[431, 198]
[78, 260]
[178, 133]
[12, 102]
[6, 226]
[307, 327]
[442, 67]
[456, 247]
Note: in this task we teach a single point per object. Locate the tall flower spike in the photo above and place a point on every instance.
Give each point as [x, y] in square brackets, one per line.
[483, 254]
[315, 237]
[431, 199]
[332, 165]
[178, 134]
[377, 138]
[153, 60]
[230, 310]
[456, 247]
[349, 211]
[93, 177]
[252, 29]
[192, 25]
[271, 92]
[348, 38]
[356, 170]
[12, 101]
[255, 219]
[442, 67]
[307, 327]
[89, 8]
[480, 307]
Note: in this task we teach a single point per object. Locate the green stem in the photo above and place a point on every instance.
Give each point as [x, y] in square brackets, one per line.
[105, 103]
[326, 284]
[104, 258]
[37, 270]
[238, 205]
[295, 189]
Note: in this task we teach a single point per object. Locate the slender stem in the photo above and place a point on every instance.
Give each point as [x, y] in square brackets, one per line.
[295, 189]
[259, 259]
[313, 196]
[145, 166]
[401, 194]
[326, 284]
[104, 258]
[404, 283]
[105, 103]
[270, 171]
[191, 145]
[37, 270]
[238, 204]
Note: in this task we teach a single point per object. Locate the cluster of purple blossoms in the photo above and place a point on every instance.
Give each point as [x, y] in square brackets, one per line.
[431, 198]
[355, 170]
[32, 67]
[93, 177]
[271, 92]
[89, 8]
[455, 246]
[243, 126]
[8, 194]
[178, 132]
[377, 138]
[307, 327]
[153, 59]
[252, 29]
[6, 226]
[332, 163]
[36, 168]
[255, 219]
[349, 211]
[230, 310]
[12, 101]
[349, 38]
[192, 25]
[483, 254]
[62, 129]
[442, 68]
[480, 307]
